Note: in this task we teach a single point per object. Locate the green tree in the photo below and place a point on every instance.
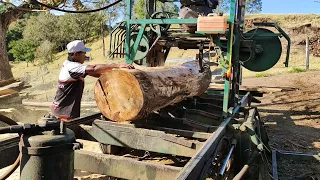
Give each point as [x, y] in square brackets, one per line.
[41, 28]
[22, 50]
[15, 33]
[113, 14]
[60, 30]
[79, 26]
[252, 6]
[140, 10]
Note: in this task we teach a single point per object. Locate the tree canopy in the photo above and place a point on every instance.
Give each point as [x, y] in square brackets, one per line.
[252, 6]
[140, 10]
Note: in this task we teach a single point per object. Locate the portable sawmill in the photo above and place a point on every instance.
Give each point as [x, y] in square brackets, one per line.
[176, 125]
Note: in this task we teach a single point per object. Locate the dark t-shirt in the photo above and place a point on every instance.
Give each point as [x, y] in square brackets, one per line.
[67, 101]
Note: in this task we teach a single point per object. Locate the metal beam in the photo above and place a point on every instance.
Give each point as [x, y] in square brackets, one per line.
[184, 133]
[142, 139]
[297, 156]
[274, 165]
[73, 124]
[122, 167]
[192, 169]
[164, 21]
[82, 120]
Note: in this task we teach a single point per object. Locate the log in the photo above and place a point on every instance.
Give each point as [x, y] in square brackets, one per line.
[130, 94]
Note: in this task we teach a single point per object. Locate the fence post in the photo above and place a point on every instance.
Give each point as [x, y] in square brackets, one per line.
[307, 53]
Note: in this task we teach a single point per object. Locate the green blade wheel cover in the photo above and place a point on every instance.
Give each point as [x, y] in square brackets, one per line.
[143, 47]
[268, 50]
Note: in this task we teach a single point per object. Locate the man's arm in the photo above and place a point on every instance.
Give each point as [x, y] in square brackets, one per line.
[97, 69]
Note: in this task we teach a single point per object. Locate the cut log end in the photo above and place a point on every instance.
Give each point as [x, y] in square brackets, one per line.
[118, 95]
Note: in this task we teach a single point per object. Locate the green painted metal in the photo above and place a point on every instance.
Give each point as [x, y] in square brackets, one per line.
[212, 32]
[160, 15]
[261, 35]
[267, 52]
[249, 127]
[225, 70]
[236, 67]
[292, 156]
[164, 21]
[136, 44]
[143, 46]
[282, 32]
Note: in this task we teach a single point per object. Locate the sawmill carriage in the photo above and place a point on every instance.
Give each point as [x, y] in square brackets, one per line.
[178, 126]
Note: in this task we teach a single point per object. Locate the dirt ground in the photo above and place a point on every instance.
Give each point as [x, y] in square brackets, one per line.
[293, 120]
[292, 117]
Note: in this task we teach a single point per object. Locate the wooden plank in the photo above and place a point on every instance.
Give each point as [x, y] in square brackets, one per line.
[48, 104]
[11, 88]
[180, 132]
[142, 139]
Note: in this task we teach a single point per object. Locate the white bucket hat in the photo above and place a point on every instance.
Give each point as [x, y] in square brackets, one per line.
[77, 46]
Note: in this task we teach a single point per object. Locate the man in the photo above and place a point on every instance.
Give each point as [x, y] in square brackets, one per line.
[66, 104]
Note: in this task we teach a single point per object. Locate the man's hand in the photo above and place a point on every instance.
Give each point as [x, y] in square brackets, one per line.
[128, 66]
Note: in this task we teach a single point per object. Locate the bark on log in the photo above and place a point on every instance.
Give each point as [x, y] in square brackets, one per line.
[126, 95]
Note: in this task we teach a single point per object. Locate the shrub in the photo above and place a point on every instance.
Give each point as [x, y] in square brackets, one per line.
[22, 50]
[297, 70]
[45, 52]
[263, 74]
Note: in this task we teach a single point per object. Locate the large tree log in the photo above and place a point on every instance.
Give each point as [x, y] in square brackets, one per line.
[126, 95]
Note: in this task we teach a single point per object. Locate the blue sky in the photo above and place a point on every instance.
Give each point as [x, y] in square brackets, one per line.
[290, 6]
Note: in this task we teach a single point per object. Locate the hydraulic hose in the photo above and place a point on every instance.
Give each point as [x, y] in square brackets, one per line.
[13, 167]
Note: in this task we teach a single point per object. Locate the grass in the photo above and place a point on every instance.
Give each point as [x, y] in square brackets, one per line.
[289, 20]
[263, 74]
[297, 70]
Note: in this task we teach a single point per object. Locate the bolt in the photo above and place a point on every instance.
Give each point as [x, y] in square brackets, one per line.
[260, 146]
[243, 127]
[258, 49]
